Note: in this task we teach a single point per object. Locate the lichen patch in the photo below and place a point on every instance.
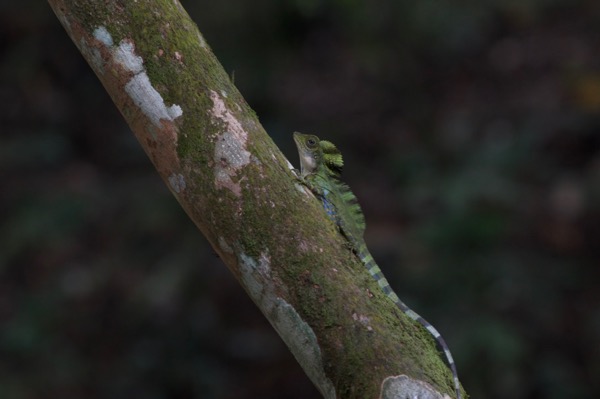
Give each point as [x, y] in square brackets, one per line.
[139, 88]
[101, 33]
[150, 101]
[177, 182]
[230, 153]
[124, 54]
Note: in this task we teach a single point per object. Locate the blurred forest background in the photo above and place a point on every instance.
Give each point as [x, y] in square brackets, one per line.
[471, 134]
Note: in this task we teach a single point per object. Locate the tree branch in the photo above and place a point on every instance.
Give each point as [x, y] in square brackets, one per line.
[237, 187]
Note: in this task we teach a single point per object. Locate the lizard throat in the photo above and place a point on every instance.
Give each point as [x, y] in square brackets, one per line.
[307, 164]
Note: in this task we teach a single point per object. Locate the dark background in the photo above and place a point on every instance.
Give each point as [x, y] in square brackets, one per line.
[471, 135]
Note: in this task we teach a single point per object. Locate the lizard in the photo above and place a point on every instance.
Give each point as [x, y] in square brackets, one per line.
[321, 166]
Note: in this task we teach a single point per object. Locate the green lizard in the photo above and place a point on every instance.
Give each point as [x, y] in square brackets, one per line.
[320, 170]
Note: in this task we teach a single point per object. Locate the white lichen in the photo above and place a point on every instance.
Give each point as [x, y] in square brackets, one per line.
[139, 88]
[177, 182]
[124, 54]
[150, 101]
[101, 34]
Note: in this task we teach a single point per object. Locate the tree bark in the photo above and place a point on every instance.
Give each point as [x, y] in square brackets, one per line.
[234, 183]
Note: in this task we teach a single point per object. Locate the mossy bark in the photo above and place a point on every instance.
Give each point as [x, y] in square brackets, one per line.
[234, 183]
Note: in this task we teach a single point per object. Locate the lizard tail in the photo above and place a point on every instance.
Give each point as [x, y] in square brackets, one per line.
[376, 273]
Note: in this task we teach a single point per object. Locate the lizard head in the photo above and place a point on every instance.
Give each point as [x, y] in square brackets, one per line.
[310, 152]
[315, 153]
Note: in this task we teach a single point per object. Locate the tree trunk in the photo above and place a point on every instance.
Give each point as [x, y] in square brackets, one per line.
[234, 183]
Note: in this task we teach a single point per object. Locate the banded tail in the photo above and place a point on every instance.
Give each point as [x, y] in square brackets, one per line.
[375, 272]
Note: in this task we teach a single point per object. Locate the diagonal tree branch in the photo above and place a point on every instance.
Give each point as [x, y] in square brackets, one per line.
[233, 182]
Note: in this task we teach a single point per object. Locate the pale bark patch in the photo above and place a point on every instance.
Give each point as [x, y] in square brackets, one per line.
[404, 387]
[230, 152]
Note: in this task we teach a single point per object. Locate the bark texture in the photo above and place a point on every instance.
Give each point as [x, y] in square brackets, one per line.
[233, 182]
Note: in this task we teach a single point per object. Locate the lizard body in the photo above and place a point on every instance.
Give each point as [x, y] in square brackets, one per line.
[321, 166]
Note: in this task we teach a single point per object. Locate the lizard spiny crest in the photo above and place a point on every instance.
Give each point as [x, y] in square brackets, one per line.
[332, 157]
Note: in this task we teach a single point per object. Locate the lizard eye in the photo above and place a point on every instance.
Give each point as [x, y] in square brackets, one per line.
[311, 142]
